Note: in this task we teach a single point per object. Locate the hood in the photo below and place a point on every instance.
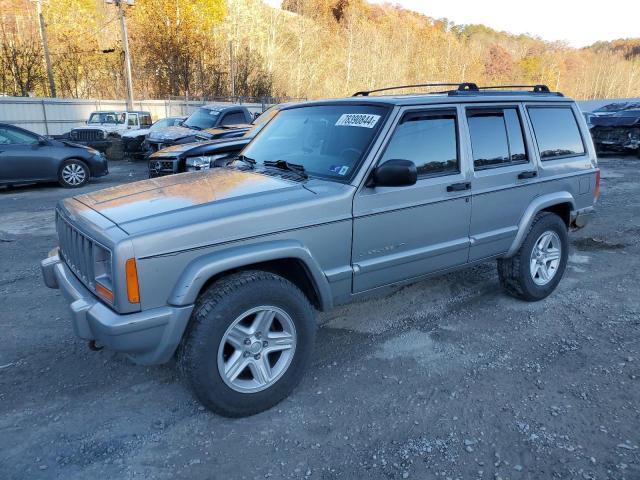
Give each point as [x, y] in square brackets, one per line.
[201, 148]
[74, 145]
[147, 199]
[141, 132]
[175, 133]
[616, 120]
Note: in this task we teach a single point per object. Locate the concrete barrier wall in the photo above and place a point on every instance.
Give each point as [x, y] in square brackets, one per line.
[52, 116]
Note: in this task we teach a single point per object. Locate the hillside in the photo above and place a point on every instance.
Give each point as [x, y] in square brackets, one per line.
[310, 48]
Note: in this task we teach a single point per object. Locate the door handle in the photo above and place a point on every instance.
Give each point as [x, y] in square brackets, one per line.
[458, 187]
[524, 175]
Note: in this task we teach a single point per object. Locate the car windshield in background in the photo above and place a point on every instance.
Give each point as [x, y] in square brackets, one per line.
[202, 118]
[327, 140]
[105, 117]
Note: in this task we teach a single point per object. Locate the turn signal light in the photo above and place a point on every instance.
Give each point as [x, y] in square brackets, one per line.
[133, 291]
[104, 292]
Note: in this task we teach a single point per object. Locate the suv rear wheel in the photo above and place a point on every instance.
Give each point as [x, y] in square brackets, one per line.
[537, 267]
[250, 339]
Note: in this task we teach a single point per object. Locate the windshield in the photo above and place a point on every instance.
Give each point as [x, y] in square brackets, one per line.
[106, 117]
[202, 118]
[327, 140]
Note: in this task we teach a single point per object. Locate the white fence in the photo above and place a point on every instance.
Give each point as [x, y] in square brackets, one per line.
[52, 116]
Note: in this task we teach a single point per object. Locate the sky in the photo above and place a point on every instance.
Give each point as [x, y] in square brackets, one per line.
[578, 22]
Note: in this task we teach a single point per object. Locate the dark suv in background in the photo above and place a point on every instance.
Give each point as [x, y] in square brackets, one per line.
[205, 123]
[198, 156]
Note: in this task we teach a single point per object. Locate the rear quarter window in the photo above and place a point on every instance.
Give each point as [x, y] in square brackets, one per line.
[556, 131]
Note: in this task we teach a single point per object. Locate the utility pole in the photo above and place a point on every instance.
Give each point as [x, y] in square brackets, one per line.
[127, 55]
[231, 69]
[45, 48]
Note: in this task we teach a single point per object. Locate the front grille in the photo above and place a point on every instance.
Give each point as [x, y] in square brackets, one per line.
[158, 168]
[77, 251]
[87, 135]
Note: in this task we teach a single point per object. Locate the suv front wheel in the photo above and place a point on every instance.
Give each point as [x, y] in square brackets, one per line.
[537, 267]
[250, 339]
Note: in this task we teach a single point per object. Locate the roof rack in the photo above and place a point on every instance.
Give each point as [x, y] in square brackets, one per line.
[461, 87]
[535, 89]
[466, 88]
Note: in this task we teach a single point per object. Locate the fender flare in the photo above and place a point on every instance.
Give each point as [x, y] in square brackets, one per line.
[201, 269]
[538, 204]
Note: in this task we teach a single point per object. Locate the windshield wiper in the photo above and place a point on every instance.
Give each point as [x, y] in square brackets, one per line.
[192, 127]
[284, 165]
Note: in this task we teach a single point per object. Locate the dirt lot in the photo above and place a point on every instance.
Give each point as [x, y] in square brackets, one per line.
[448, 378]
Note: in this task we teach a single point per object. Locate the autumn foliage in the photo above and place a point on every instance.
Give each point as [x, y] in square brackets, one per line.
[310, 48]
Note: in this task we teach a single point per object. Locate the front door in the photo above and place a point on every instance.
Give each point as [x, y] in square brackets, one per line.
[401, 233]
[22, 157]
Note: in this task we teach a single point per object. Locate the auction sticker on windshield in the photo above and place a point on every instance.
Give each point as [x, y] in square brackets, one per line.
[358, 120]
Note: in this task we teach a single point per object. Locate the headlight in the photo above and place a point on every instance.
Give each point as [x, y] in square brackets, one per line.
[104, 134]
[194, 164]
[93, 151]
[103, 272]
[198, 163]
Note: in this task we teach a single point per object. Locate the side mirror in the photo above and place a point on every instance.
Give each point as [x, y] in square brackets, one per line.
[43, 141]
[395, 173]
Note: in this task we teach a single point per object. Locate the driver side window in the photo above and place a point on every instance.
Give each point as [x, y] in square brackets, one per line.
[9, 136]
[429, 139]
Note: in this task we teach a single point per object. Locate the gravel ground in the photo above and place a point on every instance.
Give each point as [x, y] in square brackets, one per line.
[448, 378]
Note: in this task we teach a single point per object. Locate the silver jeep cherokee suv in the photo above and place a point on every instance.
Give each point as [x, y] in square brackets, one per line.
[332, 201]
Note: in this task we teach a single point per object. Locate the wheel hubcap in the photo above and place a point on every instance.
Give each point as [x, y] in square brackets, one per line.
[257, 349]
[73, 174]
[545, 258]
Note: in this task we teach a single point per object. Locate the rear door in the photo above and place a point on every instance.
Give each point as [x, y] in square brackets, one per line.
[401, 233]
[504, 176]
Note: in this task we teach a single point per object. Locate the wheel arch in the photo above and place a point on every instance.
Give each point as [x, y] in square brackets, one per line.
[287, 258]
[559, 203]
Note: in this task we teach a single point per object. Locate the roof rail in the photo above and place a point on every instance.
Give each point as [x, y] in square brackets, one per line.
[515, 89]
[536, 88]
[461, 87]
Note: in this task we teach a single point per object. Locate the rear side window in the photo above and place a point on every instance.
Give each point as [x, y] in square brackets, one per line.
[556, 131]
[496, 137]
[429, 139]
[233, 118]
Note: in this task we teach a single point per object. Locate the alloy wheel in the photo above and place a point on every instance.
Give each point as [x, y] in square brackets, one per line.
[257, 349]
[545, 258]
[73, 174]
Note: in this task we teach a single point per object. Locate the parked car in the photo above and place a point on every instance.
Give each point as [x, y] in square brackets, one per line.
[132, 140]
[199, 156]
[205, 123]
[617, 132]
[105, 128]
[616, 107]
[26, 157]
[332, 201]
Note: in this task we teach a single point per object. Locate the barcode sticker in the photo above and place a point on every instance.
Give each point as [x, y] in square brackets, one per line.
[358, 120]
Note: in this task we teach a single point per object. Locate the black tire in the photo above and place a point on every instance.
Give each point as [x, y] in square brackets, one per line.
[515, 272]
[74, 165]
[216, 310]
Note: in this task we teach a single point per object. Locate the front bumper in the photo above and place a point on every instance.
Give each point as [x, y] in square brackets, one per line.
[148, 337]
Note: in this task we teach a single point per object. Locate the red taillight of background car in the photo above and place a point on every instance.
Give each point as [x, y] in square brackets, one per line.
[596, 192]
